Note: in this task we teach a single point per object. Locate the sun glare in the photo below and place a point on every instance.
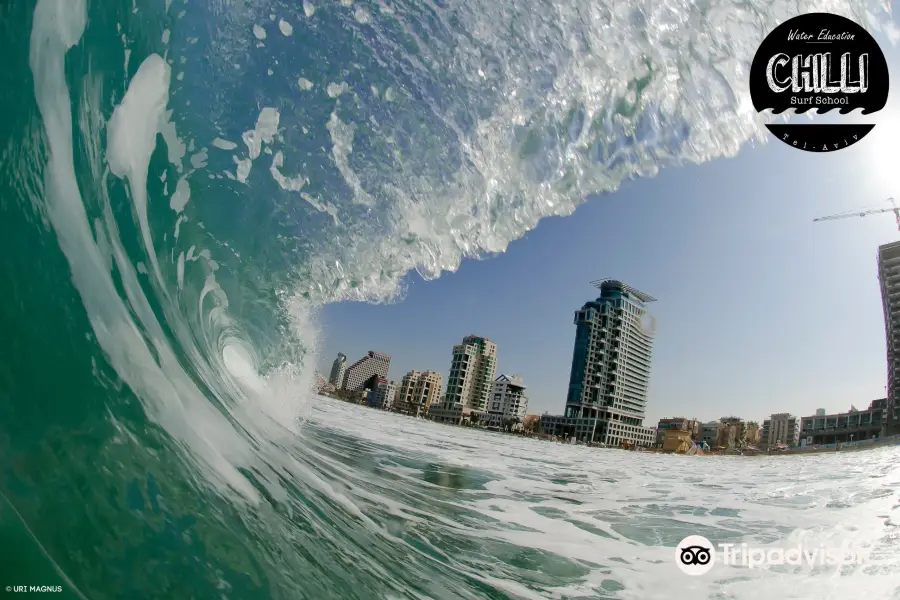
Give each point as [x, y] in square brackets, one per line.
[883, 150]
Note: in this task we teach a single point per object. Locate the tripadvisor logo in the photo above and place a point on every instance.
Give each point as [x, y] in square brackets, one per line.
[819, 61]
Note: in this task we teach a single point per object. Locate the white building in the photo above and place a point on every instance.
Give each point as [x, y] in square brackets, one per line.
[469, 386]
[508, 404]
[338, 368]
[780, 428]
[385, 393]
[371, 365]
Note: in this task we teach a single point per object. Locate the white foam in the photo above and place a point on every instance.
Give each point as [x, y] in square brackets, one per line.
[336, 89]
[285, 27]
[131, 135]
[362, 16]
[180, 197]
[181, 219]
[291, 184]
[224, 144]
[243, 169]
[265, 130]
[259, 32]
[341, 147]
[175, 148]
[320, 206]
[198, 160]
[180, 271]
[168, 395]
[304, 84]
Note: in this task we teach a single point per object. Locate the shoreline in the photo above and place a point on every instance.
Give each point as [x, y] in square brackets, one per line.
[893, 440]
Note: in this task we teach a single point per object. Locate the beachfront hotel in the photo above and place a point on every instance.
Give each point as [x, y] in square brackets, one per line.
[610, 374]
[362, 371]
[851, 426]
[889, 278]
[469, 386]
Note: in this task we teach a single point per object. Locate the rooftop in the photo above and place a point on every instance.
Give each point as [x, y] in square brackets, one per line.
[625, 288]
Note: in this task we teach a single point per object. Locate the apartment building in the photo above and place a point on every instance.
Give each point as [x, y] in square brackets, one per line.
[781, 429]
[417, 392]
[508, 404]
[384, 394]
[472, 370]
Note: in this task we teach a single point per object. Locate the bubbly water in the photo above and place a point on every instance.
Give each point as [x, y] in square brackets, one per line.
[182, 184]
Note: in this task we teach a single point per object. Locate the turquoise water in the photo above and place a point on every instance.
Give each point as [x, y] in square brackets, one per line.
[184, 184]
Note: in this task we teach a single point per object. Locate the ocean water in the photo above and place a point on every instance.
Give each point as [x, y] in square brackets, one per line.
[184, 184]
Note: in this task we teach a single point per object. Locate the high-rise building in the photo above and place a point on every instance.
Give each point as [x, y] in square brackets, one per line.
[508, 403]
[780, 429]
[385, 392]
[610, 373]
[418, 391]
[470, 383]
[889, 277]
[338, 367]
[373, 363]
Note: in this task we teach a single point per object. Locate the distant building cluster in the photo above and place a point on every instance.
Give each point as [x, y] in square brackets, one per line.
[606, 400]
[474, 396]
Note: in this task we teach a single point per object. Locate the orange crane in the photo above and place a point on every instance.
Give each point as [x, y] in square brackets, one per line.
[873, 211]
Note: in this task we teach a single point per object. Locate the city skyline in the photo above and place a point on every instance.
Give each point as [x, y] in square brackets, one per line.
[841, 254]
[760, 309]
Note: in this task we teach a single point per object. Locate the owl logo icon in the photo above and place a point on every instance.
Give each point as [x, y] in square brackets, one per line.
[695, 555]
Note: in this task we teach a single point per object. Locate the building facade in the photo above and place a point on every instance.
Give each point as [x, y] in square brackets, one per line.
[889, 279]
[385, 392]
[338, 368]
[470, 383]
[508, 404]
[709, 433]
[417, 392]
[691, 426]
[370, 365]
[781, 429]
[846, 427]
[403, 402]
[610, 374]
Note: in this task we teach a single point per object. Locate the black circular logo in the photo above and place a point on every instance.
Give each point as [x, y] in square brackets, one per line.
[819, 61]
[695, 555]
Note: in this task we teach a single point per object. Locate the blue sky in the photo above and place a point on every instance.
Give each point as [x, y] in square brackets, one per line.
[760, 310]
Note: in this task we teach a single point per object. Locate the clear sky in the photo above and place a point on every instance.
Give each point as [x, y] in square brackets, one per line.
[759, 309]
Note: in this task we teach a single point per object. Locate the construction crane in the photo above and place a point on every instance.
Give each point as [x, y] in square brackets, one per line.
[873, 211]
